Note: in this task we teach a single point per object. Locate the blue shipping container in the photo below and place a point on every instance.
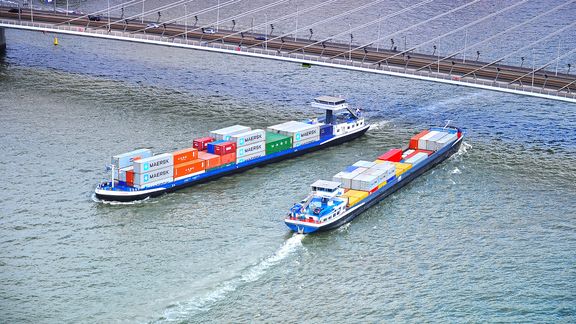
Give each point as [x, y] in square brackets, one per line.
[210, 146]
[350, 168]
[326, 130]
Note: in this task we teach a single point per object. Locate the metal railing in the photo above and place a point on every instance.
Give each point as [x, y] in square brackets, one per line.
[298, 56]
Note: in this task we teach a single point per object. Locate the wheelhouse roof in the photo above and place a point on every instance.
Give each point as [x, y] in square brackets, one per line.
[325, 184]
[329, 100]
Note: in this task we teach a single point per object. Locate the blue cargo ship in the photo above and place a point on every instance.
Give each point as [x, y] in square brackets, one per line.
[340, 124]
[332, 204]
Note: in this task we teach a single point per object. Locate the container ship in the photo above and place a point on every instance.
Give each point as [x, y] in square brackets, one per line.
[363, 184]
[140, 174]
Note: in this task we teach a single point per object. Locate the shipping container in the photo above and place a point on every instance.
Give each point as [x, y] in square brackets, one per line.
[350, 168]
[121, 174]
[406, 153]
[449, 138]
[417, 158]
[306, 141]
[326, 130]
[394, 155]
[190, 167]
[153, 184]
[228, 158]
[201, 144]
[345, 178]
[154, 176]
[414, 141]
[402, 167]
[416, 152]
[185, 155]
[212, 160]
[365, 182]
[364, 164]
[422, 140]
[355, 196]
[125, 160]
[250, 137]
[388, 167]
[251, 149]
[221, 147]
[445, 130]
[431, 142]
[382, 174]
[298, 130]
[226, 133]
[250, 157]
[277, 142]
[152, 163]
[382, 184]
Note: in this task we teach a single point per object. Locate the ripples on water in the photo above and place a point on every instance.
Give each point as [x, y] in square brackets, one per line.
[487, 236]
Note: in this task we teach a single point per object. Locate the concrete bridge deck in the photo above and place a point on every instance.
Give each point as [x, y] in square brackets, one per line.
[504, 78]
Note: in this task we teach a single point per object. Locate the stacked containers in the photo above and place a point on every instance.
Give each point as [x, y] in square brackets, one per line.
[187, 164]
[414, 141]
[226, 133]
[449, 138]
[251, 145]
[364, 164]
[123, 162]
[414, 152]
[354, 196]
[277, 143]
[301, 133]
[431, 142]
[345, 178]
[388, 167]
[402, 167]
[201, 144]
[423, 140]
[153, 171]
[221, 147]
[211, 160]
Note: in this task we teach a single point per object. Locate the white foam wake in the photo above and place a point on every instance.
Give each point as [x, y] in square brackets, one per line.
[185, 310]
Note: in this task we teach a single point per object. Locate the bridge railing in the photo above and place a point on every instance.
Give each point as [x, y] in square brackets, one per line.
[302, 57]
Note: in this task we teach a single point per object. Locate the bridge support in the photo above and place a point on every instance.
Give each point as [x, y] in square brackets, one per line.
[2, 40]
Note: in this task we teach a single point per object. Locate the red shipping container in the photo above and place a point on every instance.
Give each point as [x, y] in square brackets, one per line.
[212, 160]
[185, 155]
[414, 140]
[394, 155]
[228, 158]
[418, 151]
[225, 148]
[187, 168]
[200, 143]
[130, 178]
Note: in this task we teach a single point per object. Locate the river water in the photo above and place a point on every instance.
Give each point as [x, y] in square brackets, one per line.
[488, 236]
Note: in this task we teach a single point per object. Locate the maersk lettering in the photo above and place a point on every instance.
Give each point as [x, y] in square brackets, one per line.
[309, 133]
[159, 163]
[253, 138]
[159, 174]
[255, 148]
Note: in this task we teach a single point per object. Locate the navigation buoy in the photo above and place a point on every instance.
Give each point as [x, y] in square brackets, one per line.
[55, 41]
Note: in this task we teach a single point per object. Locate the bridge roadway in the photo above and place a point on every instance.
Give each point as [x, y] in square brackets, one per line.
[456, 69]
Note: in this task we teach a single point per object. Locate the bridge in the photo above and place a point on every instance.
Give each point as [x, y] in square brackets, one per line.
[537, 81]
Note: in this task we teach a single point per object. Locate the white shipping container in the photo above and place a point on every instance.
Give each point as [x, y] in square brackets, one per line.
[152, 163]
[153, 184]
[423, 139]
[226, 133]
[417, 158]
[125, 160]
[251, 149]
[306, 141]
[365, 182]
[345, 178]
[389, 167]
[449, 138]
[298, 130]
[364, 164]
[250, 137]
[250, 157]
[154, 176]
[431, 142]
[382, 175]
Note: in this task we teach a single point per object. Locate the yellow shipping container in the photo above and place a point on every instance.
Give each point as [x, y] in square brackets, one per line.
[402, 167]
[355, 196]
[382, 184]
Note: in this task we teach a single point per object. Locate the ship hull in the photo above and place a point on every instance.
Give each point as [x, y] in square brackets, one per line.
[129, 196]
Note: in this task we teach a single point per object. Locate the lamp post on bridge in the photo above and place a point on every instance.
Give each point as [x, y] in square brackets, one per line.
[108, 15]
[142, 17]
[522, 63]
[434, 52]
[186, 22]
[391, 43]
[405, 47]
[378, 37]
[296, 30]
[351, 38]
[569, 66]
[217, 15]
[477, 55]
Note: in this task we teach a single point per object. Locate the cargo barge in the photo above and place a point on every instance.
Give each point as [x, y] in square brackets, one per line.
[139, 174]
[334, 203]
